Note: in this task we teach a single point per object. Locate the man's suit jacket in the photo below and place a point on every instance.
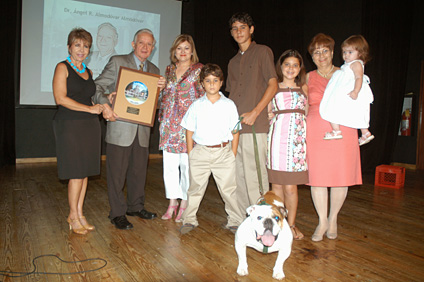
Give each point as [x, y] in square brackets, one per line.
[118, 132]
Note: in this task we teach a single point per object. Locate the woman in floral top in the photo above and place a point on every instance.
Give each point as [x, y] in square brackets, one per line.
[182, 88]
[286, 158]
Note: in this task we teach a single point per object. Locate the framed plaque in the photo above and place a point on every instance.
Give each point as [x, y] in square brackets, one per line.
[136, 96]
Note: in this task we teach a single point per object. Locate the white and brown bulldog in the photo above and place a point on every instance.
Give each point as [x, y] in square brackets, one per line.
[266, 230]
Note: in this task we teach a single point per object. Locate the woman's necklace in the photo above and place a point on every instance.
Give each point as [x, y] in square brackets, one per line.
[75, 67]
[325, 75]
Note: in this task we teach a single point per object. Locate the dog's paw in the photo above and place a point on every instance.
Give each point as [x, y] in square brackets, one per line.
[279, 275]
[242, 271]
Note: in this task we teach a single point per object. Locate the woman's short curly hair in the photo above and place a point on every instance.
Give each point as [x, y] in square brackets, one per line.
[80, 33]
[321, 40]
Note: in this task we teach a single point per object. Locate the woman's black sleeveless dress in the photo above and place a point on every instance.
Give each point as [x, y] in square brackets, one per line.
[77, 134]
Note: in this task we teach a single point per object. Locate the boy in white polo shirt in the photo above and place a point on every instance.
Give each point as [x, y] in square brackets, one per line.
[210, 122]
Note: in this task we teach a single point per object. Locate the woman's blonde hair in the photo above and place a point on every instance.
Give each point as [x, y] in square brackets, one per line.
[180, 39]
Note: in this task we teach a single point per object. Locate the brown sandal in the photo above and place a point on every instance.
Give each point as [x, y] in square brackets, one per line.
[297, 235]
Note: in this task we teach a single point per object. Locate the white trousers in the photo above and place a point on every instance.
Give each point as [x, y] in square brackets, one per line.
[176, 175]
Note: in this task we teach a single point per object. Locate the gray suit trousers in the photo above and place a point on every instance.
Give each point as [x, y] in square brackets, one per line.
[128, 163]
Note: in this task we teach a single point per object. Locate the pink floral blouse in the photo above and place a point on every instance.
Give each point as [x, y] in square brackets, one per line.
[175, 99]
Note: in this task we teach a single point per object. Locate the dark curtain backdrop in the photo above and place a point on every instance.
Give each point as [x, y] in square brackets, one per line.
[281, 25]
[10, 14]
[388, 32]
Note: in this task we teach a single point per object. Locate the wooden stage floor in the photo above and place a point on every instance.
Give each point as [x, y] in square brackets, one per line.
[381, 233]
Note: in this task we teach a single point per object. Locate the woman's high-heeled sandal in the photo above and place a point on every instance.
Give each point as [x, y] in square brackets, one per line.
[180, 213]
[297, 235]
[85, 224]
[80, 230]
[169, 212]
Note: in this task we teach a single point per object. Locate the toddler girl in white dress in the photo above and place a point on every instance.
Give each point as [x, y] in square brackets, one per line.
[347, 96]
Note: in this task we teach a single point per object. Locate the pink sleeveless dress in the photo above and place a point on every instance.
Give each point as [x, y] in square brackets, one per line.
[331, 163]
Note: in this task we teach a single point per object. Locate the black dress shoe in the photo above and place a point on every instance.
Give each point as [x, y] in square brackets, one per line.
[121, 222]
[143, 214]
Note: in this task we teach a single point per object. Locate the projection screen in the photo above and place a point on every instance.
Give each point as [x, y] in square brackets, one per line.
[112, 23]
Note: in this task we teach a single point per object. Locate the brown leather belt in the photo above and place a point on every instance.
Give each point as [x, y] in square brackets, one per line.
[289, 111]
[219, 145]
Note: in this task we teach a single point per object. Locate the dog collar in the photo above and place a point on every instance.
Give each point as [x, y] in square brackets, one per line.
[265, 250]
[263, 203]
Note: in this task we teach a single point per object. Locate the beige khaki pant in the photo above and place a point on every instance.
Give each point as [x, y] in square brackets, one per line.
[221, 163]
[246, 172]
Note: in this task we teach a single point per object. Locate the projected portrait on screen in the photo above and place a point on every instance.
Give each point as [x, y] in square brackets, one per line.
[113, 29]
[106, 40]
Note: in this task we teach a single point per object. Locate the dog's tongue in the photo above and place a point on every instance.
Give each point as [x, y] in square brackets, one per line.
[268, 239]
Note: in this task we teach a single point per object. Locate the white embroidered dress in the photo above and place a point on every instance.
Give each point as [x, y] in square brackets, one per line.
[337, 107]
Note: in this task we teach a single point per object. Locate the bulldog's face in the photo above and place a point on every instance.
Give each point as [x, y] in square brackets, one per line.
[267, 222]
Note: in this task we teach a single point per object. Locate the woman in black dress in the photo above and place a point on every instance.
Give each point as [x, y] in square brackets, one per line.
[76, 126]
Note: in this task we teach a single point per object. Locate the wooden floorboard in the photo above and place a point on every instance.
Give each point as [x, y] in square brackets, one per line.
[381, 233]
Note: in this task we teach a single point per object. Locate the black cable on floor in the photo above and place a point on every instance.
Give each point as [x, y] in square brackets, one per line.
[21, 274]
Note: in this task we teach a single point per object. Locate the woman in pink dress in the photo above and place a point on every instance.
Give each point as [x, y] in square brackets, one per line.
[335, 164]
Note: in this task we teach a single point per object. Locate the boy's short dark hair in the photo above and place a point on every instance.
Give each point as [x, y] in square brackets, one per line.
[211, 69]
[242, 17]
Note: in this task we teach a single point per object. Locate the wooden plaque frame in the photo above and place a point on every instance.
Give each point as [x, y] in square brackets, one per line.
[136, 97]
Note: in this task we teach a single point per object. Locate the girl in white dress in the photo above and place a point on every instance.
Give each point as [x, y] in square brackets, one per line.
[347, 96]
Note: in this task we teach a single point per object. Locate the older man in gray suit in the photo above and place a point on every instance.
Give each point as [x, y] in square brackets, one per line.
[127, 143]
